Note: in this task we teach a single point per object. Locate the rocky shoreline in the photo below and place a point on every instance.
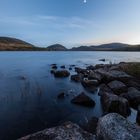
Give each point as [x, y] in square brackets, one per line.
[118, 86]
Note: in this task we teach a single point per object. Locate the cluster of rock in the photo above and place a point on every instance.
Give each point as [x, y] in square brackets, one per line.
[118, 90]
[110, 127]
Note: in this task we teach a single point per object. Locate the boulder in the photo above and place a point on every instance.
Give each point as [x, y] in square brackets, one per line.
[91, 125]
[117, 87]
[61, 73]
[76, 77]
[91, 67]
[104, 88]
[94, 75]
[70, 68]
[67, 131]
[52, 71]
[63, 67]
[90, 85]
[102, 60]
[138, 115]
[133, 96]
[83, 100]
[109, 75]
[54, 66]
[115, 127]
[61, 95]
[80, 70]
[113, 103]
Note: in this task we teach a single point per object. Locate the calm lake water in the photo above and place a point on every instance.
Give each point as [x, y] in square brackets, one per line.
[30, 105]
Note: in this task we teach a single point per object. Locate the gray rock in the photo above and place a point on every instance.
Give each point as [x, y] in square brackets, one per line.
[94, 75]
[91, 125]
[104, 88]
[138, 115]
[117, 87]
[133, 96]
[113, 103]
[83, 100]
[61, 73]
[67, 131]
[113, 75]
[115, 127]
[61, 95]
[76, 77]
[90, 85]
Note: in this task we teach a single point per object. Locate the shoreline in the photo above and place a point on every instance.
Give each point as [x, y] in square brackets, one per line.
[119, 90]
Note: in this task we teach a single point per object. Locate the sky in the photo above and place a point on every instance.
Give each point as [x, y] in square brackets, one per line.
[71, 22]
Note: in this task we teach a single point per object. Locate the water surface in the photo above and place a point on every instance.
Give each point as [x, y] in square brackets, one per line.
[29, 105]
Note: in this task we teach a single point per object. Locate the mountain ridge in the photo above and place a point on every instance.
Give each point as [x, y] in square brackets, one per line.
[13, 44]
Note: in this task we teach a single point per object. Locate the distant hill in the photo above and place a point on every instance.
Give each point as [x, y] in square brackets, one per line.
[108, 47]
[13, 44]
[56, 47]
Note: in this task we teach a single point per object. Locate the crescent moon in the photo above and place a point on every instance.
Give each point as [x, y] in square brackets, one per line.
[85, 1]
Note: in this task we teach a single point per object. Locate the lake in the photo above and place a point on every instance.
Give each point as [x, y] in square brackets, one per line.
[28, 91]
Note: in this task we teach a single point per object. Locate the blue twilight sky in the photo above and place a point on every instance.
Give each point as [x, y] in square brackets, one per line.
[71, 22]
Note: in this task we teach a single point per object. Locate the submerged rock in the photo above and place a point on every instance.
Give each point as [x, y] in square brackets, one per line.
[83, 100]
[61, 95]
[115, 127]
[67, 131]
[63, 67]
[117, 87]
[76, 77]
[61, 73]
[113, 103]
[80, 70]
[133, 96]
[102, 60]
[54, 66]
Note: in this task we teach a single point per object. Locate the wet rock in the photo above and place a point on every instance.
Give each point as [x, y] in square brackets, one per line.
[102, 60]
[91, 67]
[115, 127]
[72, 65]
[61, 73]
[89, 83]
[52, 71]
[91, 125]
[94, 75]
[117, 87]
[54, 67]
[103, 88]
[133, 96]
[67, 131]
[22, 78]
[113, 103]
[76, 77]
[138, 115]
[61, 95]
[113, 75]
[98, 66]
[70, 68]
[63, 67]
[83, 100]
[80, 70]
